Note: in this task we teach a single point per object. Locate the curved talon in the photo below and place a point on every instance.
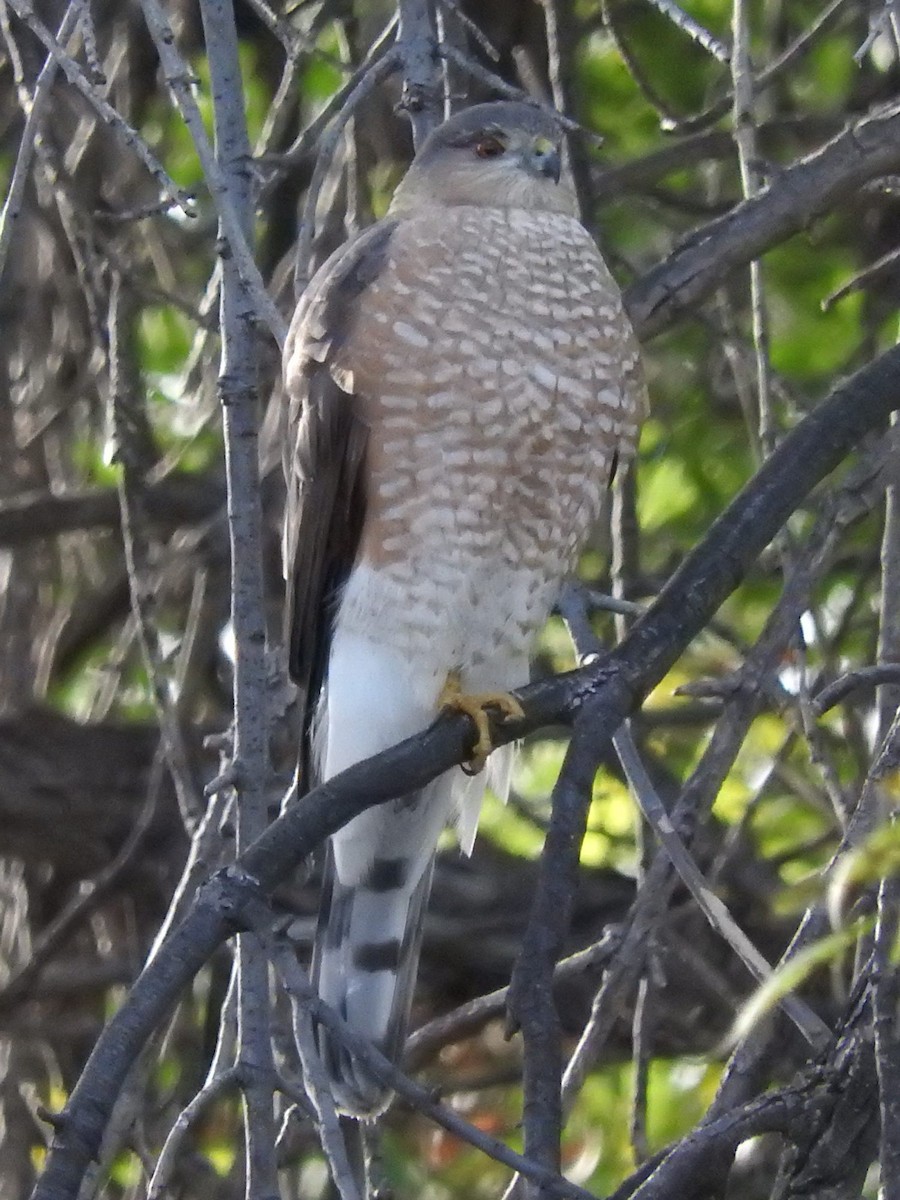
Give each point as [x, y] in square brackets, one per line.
[474, 705]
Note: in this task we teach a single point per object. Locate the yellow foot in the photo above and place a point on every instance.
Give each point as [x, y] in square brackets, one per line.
[474, 705]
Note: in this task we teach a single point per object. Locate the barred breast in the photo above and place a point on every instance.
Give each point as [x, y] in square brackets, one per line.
[500, 377]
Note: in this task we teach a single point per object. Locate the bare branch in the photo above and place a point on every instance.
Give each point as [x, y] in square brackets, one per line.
[866, 677]
[860, 280]
[470, 1018]
[825, 20]
[792, 200]
[812, 1027]
[212, 1091]
[417, 45]
[509, 91]
[309, 137]
[173, 500]
[328, 144]
[179, 79]
[315, 1077]
[477, 33]
[131, 431]
[530, 1002]
[42, 90]
[696, 32]
[104, 109]
[885, 998]
[21, 982]
[418, 1096]
[238, 396]
[744, 133]
[588, 646]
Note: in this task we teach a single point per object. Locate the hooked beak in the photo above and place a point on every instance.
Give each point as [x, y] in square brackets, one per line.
[544, 159]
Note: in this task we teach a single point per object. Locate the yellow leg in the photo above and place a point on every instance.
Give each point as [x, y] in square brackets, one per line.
[474, 705]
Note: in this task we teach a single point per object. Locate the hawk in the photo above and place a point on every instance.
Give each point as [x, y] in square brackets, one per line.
[462, 380]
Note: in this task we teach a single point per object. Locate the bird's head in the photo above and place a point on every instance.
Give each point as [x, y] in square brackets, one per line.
[506, 154]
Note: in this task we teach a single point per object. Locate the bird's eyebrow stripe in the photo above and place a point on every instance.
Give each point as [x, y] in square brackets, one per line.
[470, 137]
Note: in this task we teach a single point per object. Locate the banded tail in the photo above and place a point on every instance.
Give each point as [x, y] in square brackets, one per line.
[368, 939]
[378, 875]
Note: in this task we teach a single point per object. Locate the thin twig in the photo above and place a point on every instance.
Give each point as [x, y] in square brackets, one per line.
[91, 894]
[212, 1091]
[812, 1027]
[308, 138]
[76, 76]
[294, 41]
[130, 432]
[704, 785]
[641, 1035]
[419, 1097]
[180, 81]
[695, 31]
[12, 206]
[474, 68]
[868, 275]
[751, 184]
[668, 117]
[775, 69]
[15, 58]
[318, 1089]
[889, 607]
[865, 677]
[389, 64]
[478, 34]
[885, 999]
[749, 1056]
[471, 1017]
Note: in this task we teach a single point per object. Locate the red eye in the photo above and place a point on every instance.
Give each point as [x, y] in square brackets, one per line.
[489, 147]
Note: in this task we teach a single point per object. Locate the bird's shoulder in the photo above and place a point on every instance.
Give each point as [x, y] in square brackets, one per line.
[325, 313]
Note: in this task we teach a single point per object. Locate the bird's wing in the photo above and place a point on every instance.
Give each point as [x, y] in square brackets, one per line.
[324, 454]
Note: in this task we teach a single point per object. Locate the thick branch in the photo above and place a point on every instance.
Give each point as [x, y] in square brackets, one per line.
[417, 47]
[531, 1002]
[238, 395]
[795, 197]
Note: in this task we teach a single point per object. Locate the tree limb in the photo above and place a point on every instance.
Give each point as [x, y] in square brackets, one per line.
[792, 200]
[178, 499]
[240, 299]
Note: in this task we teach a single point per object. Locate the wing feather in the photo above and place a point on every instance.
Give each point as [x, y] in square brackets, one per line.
[324, 456]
